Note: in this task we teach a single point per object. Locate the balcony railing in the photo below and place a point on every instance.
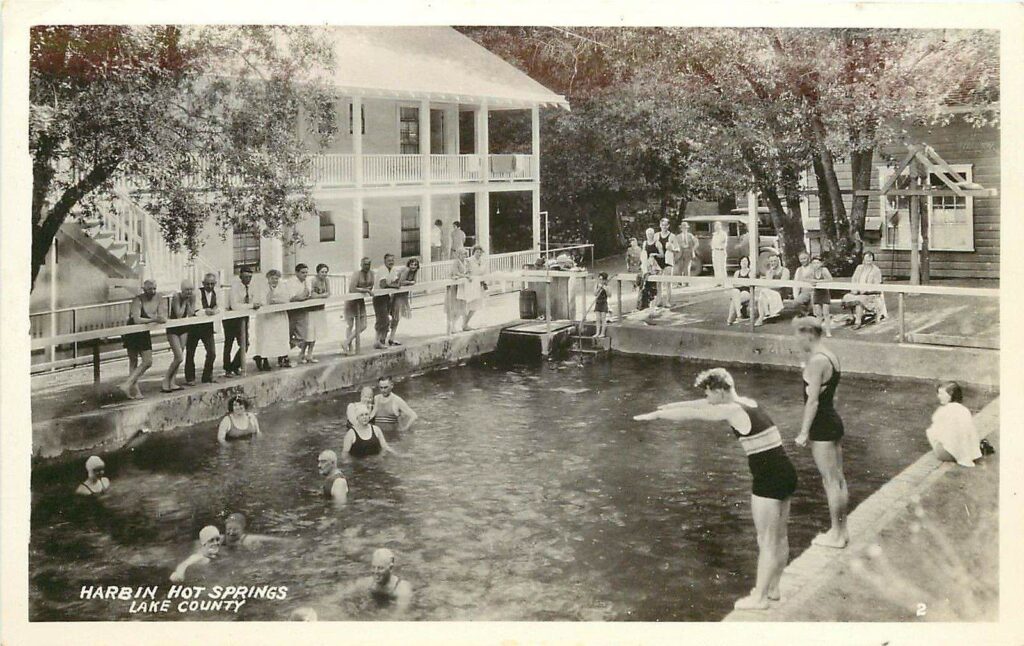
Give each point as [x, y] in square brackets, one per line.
[392, 170]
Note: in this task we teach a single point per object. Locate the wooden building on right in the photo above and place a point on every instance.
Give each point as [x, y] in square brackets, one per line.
[962, 230]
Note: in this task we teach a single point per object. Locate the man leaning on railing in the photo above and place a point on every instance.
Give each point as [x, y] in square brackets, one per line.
[241, 295]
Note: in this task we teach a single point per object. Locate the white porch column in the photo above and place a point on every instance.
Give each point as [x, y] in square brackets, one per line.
[425, 139]
[357, 148]
[275, 255]
[483, 197]
[535, 173]
[426, 226]
[356, 231]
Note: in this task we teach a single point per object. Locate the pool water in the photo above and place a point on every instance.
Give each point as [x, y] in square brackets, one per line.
[522, 494]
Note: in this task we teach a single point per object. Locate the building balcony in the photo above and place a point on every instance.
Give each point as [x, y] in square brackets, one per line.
[339, 170]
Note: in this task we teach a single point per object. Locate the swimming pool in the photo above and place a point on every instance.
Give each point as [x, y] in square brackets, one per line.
[523, 493]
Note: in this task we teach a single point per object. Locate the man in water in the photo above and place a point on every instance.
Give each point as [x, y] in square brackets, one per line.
[95, 484]
[209, 547]
[822, 426]
[383, 585]
[235, 535]
[335, 485]
[390, 412]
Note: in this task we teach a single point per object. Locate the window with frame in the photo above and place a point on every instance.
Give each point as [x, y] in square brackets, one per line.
[327, 232]
[245, 250]
[950, 218]
[362, 118]
[410, 231]
[409, 130]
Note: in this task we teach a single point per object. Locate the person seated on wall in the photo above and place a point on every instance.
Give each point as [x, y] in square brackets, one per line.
[769, 301]
[858, 301]
[952, 434]
[739, 296]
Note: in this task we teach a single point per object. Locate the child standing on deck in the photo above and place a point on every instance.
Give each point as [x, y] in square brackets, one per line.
[601, 304]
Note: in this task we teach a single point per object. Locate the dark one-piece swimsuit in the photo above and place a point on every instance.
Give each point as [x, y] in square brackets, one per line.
[773, 473]
[827, 426]
[361, 448]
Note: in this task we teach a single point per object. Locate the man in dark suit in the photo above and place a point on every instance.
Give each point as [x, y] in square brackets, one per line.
[202, 332]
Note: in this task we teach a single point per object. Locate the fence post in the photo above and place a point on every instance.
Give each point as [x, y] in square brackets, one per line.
[620, 299]
[96, 361]
[750, 306]
[902, 321]
[244, 324]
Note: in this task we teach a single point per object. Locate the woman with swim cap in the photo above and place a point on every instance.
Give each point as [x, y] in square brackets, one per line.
[209, 547]
[239, 423]
[774, 476]
[95, 484]
[364, 438]
[823, 427]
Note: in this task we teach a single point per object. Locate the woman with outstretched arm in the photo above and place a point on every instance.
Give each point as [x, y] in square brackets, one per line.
[774, 476]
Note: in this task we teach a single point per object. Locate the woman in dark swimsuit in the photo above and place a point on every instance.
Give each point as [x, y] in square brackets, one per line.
[774, 476]
[363, 438]
[823, 427]
[239, 423]
[740, 294]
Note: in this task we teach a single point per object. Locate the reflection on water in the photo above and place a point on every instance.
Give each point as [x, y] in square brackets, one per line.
[522, 494]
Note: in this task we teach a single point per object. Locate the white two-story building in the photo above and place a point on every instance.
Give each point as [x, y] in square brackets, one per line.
[412, 147]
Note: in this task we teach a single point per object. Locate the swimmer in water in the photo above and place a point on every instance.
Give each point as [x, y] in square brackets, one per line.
[235, 535]
[96, 484]
[390, 411]
[774, 476]
[239, 423]
[384, 586]
[209, 547]
[335, 485]
[366, 399]
[364, 438]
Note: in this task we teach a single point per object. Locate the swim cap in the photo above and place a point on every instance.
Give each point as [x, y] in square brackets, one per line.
[208, 533]
[328, 455]
[359, 409]
[94, 462]
[807, 323]
[384, 556]
[237, 517]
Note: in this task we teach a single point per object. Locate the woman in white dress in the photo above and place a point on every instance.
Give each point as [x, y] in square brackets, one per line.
[272, 330]
[454, 306]
[474, 290]
[719, 241]
[769, 301]
[952, 433]
[316, 326]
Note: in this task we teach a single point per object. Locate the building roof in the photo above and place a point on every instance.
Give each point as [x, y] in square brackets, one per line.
[435, 63]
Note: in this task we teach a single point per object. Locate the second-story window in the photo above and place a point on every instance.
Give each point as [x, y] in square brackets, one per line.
[326, 226]
[409, 130]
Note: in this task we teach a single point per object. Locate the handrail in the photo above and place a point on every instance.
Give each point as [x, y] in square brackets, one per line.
[831, 285]
[200, 318]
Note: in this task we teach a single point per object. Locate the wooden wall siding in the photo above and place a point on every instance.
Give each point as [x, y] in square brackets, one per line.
[958, 143]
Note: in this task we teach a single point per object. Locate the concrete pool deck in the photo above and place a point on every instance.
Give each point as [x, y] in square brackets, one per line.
[923, 547]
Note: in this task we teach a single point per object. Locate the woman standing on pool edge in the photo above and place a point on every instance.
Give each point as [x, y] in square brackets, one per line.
[823, 427]
[774, 476]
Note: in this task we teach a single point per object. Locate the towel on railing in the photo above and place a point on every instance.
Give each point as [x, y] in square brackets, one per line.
[503, 164]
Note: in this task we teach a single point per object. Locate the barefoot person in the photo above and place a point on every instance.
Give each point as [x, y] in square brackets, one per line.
[401, 305]
[363, 438]
[319, 287]
[183, 306]
[952, 434]
[601, 304]
[209, 547]
[236, 537]
[144, 308]
[739, 295]
[335, 485]
[96, 483]
[239, 423]
[361, 282]
[390, 411]
[774, 476]
[823, 427]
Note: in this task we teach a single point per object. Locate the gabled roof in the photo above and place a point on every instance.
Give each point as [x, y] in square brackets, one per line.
[430, 62]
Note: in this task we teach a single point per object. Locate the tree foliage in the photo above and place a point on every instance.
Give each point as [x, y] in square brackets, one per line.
[202, 121]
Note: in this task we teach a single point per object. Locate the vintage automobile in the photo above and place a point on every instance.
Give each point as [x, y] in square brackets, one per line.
[702, 226]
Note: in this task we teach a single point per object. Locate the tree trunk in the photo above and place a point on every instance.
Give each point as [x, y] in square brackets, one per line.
[828, 168]
[826, 219]
[789, 226]
[860, 164]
